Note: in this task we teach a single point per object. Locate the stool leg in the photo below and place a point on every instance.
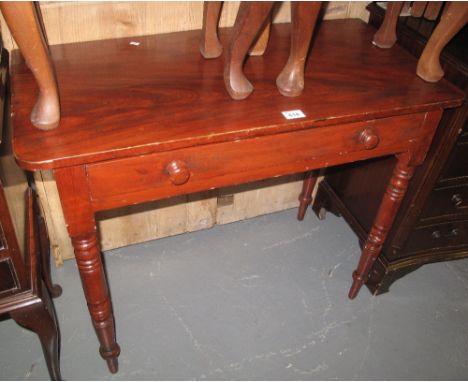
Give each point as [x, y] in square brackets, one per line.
[22, 21]
[455, 16]
[386, 35]
[305, 197]
[250, 19]
[388, 209]
[304, 15]
[210, 46]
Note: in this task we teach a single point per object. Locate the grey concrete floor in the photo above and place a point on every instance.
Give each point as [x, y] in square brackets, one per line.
[265, 298]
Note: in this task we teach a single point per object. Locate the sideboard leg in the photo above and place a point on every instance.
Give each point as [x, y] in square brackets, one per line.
[388, 209]
[454, 17]
[290, 81]
[250, 18]
[88, 258]
[23, 23]
[210, 46]
[386, 36]
[305, 197]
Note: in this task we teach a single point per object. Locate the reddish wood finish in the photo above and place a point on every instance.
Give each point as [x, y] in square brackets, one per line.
[163, 129]
[24, 25]
[454, 17]
[210, 46]
[386, 35]
[305, 197]
[304, 15]
[250, 19]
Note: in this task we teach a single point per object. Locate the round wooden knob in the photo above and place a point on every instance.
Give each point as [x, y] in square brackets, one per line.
[369, 139]
[178, 172]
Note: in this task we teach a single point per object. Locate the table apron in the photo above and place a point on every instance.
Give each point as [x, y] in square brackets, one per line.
[133, 180]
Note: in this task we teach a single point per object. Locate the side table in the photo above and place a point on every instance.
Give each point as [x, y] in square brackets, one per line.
[150, 121]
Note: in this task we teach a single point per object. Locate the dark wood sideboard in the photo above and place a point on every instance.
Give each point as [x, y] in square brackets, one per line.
[432, 224]
[25, 284]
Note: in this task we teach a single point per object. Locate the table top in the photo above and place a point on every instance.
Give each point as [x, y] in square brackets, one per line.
[124, 99]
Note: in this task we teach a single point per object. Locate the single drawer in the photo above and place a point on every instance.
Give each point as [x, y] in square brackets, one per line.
[449, 201]
[436, 237]
[159, 175]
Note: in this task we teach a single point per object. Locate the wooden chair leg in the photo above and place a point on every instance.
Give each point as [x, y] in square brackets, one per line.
[250, 18]
[40, 318]
[210, 46]
[304, 15]
[262, 41]
[386, 35]
[388, 209]
[454, 17]
[305, 197]
[23, 23]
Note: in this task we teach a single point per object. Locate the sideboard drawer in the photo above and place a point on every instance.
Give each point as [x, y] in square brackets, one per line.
[159, 175]
[438, 236]
[446, 201]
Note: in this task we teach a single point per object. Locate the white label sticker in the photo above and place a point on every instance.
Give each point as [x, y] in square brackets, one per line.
[293, 114]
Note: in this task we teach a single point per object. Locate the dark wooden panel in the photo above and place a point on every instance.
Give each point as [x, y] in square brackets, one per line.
[447, 203]
[8, 280]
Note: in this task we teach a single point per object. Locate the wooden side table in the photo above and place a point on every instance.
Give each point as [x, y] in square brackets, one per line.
[150, 121]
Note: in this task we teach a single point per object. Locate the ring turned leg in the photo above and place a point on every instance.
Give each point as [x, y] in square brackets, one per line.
[250, 18]
[455, 16]
[23, 23]
[304, 15]
[305, 197]
[383, 221]
[386, 35]
[88, 258]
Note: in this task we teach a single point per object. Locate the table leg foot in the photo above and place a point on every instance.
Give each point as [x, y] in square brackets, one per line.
[305, 197]
[386, 35]
[386, 214]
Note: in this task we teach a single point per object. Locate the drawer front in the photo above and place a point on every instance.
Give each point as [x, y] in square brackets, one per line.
[450, 201]
[159, 175]
[435, 237]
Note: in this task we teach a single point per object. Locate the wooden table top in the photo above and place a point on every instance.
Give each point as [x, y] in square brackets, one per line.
[119, 99]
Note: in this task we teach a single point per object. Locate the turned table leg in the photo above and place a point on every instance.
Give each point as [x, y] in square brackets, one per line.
[386, 35]
[383, 221]
[305, 197]
[79, 215]
[23, 23]
[454, 17]
[250, 19]
[304, 15]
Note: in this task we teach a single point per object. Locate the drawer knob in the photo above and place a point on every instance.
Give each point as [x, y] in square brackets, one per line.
[457, 200]
[369, 139]
[178, 172]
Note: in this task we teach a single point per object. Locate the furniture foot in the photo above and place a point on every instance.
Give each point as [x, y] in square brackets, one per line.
[22, 20]
[454, 17]
[250, 18]
[304, 15]
[305, 197]
[40, 318]
[388, 209]
[88, 258]
[210, 46]
[386, 35]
